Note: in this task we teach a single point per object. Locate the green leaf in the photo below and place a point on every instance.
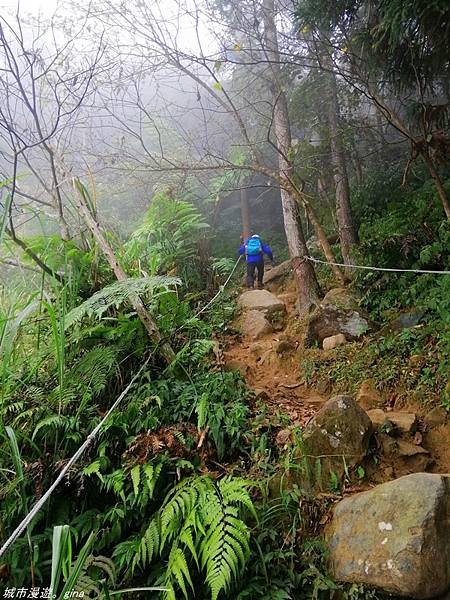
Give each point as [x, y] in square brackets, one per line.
[202, 410]
[136, 478]
[61, 537]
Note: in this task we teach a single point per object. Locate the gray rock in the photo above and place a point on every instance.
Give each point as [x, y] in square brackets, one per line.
[334, 341]
[337, 314]
[337, 436]
[406, 320]
[340, 298]
[395, 537]
[261, 300]
[254, 324]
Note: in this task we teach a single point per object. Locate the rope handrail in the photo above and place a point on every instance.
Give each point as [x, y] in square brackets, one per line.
[367, 268]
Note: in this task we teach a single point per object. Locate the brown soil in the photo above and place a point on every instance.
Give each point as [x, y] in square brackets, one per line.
[277, 375]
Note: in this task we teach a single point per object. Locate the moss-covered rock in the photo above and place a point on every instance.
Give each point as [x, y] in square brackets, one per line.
[336, 439]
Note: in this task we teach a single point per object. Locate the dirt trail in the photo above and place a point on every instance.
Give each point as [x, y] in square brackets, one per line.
[275, 376]
[272, 367]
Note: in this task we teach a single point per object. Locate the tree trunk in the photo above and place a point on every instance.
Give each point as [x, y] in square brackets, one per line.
[138, 305]
[326, 247]
[347, 233]
[438, 183]
[245, 214]
[307, 285]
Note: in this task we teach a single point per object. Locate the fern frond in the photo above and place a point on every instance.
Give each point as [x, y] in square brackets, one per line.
[55, 421]
[193, 352]
[201, 520]
[152, 473]
[235, 491]
[93, 468]
[118, 293]
[178, 569]
[151, 539]
[94, 368]
[136, 479]
[202, 410]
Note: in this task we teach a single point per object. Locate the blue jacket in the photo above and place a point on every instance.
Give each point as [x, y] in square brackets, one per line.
[255, 258]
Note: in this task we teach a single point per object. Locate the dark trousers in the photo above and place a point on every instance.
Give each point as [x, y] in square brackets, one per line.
[251, 267]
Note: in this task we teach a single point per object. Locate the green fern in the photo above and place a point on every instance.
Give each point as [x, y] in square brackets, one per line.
[170, 239]
[201, 522]
[118, 293]
[202, 411]
[193, 353]
[87, 584]
[93, 369]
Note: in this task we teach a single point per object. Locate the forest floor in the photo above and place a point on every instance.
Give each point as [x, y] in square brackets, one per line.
[272, 367]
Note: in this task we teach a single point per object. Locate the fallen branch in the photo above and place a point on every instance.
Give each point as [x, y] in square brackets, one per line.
[143, 314]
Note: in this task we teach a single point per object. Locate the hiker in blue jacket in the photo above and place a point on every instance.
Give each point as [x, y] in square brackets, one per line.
[254, 251]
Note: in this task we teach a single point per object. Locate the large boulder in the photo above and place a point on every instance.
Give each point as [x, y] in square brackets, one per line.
[340, 298]
[271, 309]
[261, 300]
[254, 324]
[395, 537]
[337, 436]
[338, 313]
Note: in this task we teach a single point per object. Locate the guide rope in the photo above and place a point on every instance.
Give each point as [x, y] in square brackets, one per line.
[221, 290]
[366, 268]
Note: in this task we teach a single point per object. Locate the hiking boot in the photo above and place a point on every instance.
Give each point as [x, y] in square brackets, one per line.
[260, 286]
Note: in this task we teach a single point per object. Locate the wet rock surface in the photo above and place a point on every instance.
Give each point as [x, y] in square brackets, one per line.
[261, 300]
[254, 324]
